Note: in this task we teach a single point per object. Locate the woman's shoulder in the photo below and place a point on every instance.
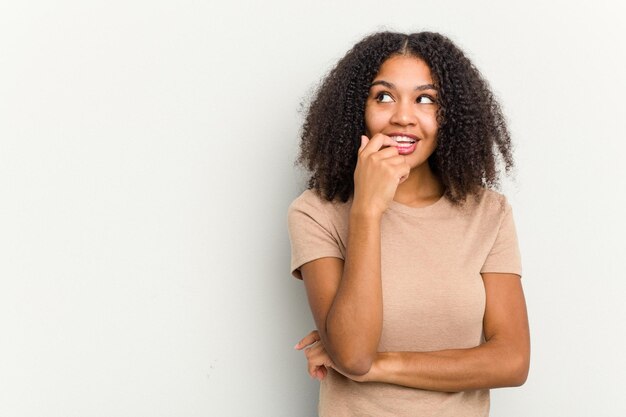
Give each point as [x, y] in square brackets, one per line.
[308, 197]
[312, 197]
[312, 203]
[488, 202]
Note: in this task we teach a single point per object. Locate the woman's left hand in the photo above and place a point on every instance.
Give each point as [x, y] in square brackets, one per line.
[318, 360]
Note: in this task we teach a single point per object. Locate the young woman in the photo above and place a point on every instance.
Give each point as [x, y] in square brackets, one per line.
[408, 254]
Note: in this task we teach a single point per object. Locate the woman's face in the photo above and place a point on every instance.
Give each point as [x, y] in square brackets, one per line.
[402, 104]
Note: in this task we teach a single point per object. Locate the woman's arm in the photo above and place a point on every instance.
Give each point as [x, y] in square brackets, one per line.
[503, 360]
[346, 297]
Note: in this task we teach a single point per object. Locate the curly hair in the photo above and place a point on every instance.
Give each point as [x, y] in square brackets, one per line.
[472, 135]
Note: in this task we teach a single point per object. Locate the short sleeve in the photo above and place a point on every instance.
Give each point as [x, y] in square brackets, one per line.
[504, 256]
[310, 232]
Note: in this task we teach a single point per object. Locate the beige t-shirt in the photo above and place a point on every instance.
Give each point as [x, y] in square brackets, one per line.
[433, 293]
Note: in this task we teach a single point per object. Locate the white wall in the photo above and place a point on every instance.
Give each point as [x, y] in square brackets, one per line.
[146, 164]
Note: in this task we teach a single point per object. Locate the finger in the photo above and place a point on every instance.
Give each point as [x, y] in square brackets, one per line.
[387, 141]
[312, 369]
[401, 168]
[364, 142]
[385, 153]
[307, 340]
[374, 144]
[314, 351]
[397, 160]
[406, 171]
[317, 358]
[406, 167]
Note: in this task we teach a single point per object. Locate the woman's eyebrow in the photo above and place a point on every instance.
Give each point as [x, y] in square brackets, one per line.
[426, 87]
[391, 85]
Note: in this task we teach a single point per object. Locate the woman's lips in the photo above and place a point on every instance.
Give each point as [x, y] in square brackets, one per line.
[405, 143]
[406, 135]
[406, 148]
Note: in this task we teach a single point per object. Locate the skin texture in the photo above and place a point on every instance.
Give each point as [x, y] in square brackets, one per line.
[345, 296]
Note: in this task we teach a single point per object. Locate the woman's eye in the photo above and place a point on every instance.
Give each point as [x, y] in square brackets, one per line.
[383, 98]
[425, 100]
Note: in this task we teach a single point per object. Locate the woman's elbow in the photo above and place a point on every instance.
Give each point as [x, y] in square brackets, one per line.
[354, 364]
[520, 377]
[352, 358]
[518, 373]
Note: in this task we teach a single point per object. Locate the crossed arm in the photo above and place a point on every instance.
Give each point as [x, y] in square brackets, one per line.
[346, 302]
[503, 360]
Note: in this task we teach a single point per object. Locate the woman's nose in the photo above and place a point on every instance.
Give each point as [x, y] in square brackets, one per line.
[404, 114]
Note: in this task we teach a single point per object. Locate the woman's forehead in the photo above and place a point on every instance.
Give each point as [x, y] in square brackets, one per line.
[404, 71]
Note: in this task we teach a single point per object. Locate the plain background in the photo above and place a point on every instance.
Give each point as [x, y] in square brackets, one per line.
[146, 166]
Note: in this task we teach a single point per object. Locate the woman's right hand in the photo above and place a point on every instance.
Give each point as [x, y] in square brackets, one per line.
[378, 173]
